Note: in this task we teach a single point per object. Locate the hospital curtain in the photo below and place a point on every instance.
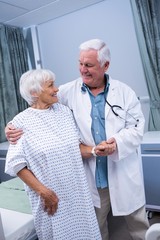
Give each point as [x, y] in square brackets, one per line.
[146, 15]
[13, 62]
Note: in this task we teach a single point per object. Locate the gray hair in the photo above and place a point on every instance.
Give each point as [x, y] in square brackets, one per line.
[103, 51]
[32, 81]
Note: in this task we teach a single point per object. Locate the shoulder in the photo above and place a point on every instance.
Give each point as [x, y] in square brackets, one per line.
[20, 118]
[123, 92]
[70, 85]
[114, 83]
[63, 112]
[67, 92]
[58, 107]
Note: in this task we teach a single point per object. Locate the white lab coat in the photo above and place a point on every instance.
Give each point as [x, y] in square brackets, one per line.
[125, 176]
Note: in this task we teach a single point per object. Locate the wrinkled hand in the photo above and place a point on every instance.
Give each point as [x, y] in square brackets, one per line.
[106, 148]
[50, 201]
[12, 134]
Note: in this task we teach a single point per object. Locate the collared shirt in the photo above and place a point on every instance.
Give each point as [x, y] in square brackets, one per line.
[99, 134]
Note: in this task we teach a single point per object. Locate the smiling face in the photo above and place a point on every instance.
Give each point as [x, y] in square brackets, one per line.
[91, 72]
[47, 96]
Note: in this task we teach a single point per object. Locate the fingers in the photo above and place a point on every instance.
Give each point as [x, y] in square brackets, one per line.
[50, 202]
[106, 148]
[13, 135]
[111, 140]
[51, 209]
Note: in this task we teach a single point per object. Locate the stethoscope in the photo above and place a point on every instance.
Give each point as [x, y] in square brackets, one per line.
[112, 107]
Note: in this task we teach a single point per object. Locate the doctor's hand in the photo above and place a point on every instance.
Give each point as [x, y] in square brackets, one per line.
[13, 134]
[106, 148]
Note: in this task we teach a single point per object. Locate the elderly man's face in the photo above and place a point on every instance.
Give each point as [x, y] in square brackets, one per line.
[91, 72]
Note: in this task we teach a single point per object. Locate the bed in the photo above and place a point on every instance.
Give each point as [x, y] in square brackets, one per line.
[16, 220]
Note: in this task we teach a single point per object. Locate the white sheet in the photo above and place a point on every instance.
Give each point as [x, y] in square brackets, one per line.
[16, 225]
[1, 229]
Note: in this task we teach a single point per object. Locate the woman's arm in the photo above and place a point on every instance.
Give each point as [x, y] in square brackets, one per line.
[86, 151]
[48, 196]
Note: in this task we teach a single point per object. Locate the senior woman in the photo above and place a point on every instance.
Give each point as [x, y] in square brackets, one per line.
[48, 159]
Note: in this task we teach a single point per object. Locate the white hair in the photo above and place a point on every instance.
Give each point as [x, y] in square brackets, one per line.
[103, 52]
[32, 81]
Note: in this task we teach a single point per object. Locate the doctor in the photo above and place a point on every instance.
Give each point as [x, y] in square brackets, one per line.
[108, 110]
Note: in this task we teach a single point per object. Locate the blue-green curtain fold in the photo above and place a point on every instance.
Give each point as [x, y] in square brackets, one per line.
[146, 15]
[13, 63]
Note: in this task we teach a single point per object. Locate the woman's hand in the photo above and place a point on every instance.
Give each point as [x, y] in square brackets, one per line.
[49, 201]
[48, 196]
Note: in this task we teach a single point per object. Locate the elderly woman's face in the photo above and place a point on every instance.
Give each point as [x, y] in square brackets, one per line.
[48, 95]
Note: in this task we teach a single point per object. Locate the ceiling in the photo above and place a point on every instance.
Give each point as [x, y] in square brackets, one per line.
[24, 13]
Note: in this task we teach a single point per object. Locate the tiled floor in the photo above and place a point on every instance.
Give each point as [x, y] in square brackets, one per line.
[118, 230]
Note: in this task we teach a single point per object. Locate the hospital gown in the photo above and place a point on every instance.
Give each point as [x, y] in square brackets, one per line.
[49, 147]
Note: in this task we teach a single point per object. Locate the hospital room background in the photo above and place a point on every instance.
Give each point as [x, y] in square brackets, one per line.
[54, 44]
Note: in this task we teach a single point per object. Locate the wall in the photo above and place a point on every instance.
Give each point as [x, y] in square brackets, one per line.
[110, 20]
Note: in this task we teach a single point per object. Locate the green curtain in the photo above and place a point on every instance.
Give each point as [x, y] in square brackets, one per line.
[13, 63]
[146, 15]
